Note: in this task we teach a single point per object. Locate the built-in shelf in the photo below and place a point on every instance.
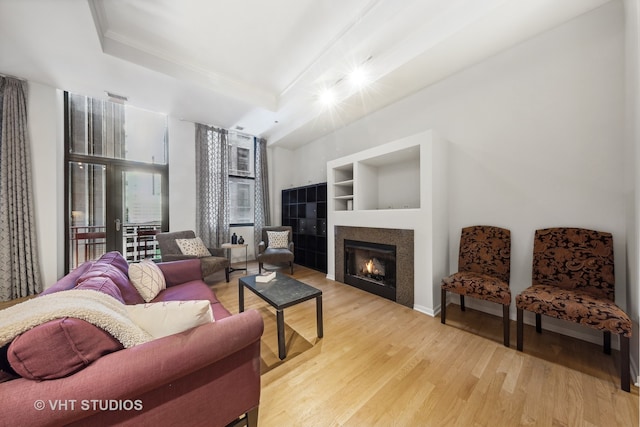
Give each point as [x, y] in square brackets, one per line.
[343, 187]
[385, 178]
[398, 185]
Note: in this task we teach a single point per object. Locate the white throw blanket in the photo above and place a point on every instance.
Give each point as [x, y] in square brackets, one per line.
[95, 307]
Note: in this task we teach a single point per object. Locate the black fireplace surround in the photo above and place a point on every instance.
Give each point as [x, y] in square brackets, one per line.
[371, 267]
[402, 239]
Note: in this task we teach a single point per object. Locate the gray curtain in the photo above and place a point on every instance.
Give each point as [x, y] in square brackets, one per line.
[19, 265]
[262, 208]
[212, 185]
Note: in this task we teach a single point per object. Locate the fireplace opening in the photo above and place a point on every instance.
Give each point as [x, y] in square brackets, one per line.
[371, 267]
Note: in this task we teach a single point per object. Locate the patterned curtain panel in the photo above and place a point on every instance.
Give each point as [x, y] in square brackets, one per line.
[262, 208]
[212, 185]
[19, 265]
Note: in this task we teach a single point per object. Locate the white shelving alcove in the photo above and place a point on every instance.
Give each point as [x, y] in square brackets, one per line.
[398, 185]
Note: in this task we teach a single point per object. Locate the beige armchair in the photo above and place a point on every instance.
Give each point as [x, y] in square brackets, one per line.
[275, 255]
[170, 251]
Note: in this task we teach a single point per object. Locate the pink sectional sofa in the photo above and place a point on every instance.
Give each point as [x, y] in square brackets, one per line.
[208, 375]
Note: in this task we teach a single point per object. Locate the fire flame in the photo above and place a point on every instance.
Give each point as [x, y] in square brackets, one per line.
[369, 266]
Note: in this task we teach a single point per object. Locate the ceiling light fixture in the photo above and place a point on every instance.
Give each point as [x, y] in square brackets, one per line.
[114, 97]
[358, 78]
[328, 97]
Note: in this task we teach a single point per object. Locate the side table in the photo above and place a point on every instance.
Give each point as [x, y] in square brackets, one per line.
[230, 247]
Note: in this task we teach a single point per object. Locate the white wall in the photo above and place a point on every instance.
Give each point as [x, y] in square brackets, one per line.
[632, 168]
[182, 176]
[536, 140]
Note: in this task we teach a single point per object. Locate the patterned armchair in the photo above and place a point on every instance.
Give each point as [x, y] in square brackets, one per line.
[269, 253]
[170, 251]
[573, 279]
[484, 265]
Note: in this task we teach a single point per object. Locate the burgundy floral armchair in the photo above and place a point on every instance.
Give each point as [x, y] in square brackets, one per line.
[484, 266]
[573, 279]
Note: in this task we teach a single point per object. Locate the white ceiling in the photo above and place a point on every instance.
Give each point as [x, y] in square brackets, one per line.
[261, 64]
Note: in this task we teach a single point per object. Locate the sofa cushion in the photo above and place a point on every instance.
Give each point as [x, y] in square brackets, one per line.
[148, 279]
[161, 319]
[115, 267]
[278, 239]
[194, 247]
[101, 284]
[194, 290]
[59, 348]
[70, 280]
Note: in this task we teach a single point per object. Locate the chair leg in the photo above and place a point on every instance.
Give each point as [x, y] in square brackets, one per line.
[520, 327]
[606, 345]
[462, 303]
[226, 274]
[291, 264]
[259, 268]
[625, 375]
[505, 324]
[538, 323]
[443, 306]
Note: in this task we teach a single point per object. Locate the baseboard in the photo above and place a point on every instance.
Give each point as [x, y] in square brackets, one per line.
[426, 310]
[331, 277]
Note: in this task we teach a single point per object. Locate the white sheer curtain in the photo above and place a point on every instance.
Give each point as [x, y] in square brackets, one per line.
[261, 207]
[19, 266]
[212, 185]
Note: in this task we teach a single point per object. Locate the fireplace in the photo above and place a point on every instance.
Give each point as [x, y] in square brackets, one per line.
[371, 267]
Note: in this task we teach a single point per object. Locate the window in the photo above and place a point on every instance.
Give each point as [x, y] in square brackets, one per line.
[242, 200]
[116, 179]
[241, 155]
[241, 178]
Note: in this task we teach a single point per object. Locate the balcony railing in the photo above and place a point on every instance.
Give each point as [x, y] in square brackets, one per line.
[138, 242]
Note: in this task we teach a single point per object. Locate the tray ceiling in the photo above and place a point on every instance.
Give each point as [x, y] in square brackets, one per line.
[261, 65]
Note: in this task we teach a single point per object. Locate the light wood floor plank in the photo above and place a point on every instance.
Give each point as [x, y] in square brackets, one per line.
[383, 364]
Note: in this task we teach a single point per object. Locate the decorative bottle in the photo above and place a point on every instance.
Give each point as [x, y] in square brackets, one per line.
[240, 240]
[234, 239]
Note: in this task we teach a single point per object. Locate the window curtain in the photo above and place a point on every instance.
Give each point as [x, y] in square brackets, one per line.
[212, 185]
[262, 209]
[19, 265]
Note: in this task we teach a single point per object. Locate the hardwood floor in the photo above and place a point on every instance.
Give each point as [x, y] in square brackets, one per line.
[382, 364]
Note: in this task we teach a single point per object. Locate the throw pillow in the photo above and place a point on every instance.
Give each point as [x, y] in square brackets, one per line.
[161, 319]
[147, 278]
[278, 239]
[194, 247]
[59, 348]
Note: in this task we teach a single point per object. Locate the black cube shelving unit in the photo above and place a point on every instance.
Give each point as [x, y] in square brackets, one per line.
[305, 210]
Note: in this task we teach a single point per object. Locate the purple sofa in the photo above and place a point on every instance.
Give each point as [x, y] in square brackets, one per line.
[208, 375]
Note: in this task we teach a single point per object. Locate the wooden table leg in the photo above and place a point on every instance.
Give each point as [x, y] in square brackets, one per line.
[282, 351]
[319, 316]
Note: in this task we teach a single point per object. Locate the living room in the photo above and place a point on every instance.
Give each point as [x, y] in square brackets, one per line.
[541, 133]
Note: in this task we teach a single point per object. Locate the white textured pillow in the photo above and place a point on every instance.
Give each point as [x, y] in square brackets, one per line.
[193, 247]
[160, 319]
[147, 278]
[278, 239]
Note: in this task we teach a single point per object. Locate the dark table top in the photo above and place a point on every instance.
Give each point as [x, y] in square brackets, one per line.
[281, 292]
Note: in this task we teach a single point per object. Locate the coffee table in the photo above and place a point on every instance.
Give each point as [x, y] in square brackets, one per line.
[280, 293]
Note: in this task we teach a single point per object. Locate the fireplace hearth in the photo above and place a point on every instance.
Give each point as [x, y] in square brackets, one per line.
[371, 267]
[400, 287]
